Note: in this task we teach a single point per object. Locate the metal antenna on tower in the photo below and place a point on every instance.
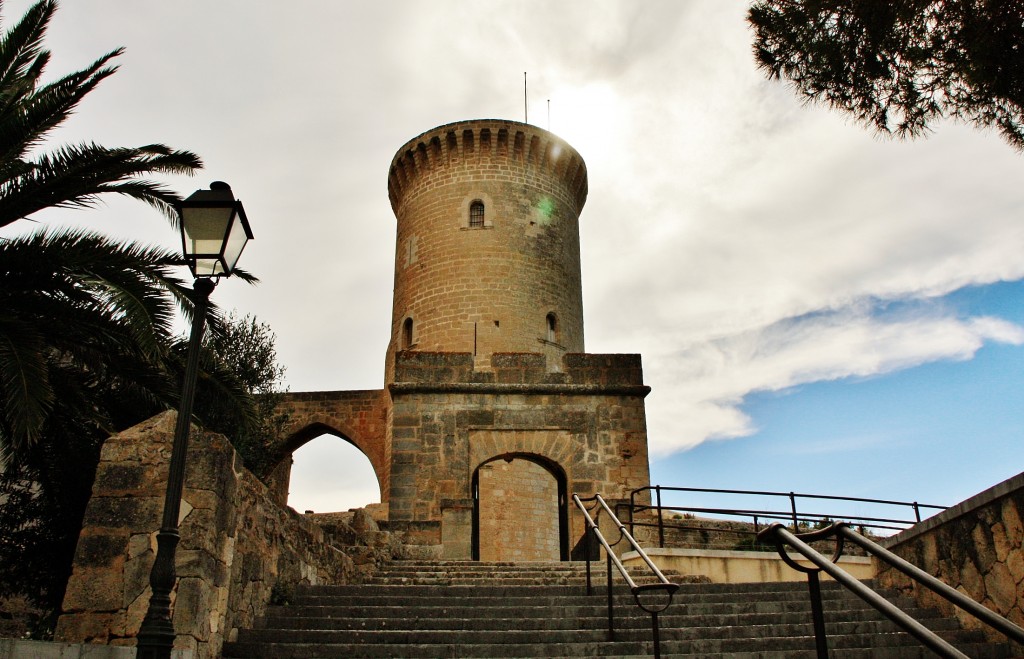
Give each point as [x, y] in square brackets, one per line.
[549, 114]
[526, 111]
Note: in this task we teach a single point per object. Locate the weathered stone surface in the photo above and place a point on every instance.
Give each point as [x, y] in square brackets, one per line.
[363, 523]
[95, 588]
[1010, 516]
[237, 545]
[976, 548]
[1001, 588]
[91, 627]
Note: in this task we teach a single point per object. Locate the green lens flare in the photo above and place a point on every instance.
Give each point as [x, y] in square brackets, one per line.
[545, 209]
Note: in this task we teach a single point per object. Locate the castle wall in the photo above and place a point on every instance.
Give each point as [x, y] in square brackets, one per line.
[490, 288]
[360, 417]
[449, 419]
[976, 547]
[237, 545]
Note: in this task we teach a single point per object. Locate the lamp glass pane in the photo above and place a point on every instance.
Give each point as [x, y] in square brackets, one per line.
[208, 267]
[203, 229]
[235, 243]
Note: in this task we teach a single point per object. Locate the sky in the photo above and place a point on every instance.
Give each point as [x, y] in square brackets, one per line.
[819, 309]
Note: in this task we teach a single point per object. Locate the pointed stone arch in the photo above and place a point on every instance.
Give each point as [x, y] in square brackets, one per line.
[358, 417]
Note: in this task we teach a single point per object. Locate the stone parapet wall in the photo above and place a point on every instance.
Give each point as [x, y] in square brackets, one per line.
[976, 547]
[578, 372]
[725, 566]
[238, 548]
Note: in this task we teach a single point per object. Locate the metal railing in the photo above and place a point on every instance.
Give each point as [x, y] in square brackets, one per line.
[662, 585]
[759, 517]
[841, 531]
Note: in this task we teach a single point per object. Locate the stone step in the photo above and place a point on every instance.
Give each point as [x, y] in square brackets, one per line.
[623, 609]
[494, 610]
[509, 630]
[545, 596]
[695, 589]
[898, 645]
[540, 618]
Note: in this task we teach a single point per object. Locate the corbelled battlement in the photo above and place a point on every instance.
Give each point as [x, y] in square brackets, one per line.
[507, 146]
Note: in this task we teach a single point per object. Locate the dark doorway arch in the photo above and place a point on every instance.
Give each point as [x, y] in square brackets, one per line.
[561, 498]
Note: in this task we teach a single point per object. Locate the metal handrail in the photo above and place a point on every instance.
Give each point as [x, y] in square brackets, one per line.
[842, 532]
[793, 515]
[663, 584]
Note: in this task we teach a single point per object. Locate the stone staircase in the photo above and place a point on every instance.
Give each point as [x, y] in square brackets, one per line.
[487, 610]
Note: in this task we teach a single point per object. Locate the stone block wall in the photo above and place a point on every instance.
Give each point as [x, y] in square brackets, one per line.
[585, 422]
[518, 512]
[237, 549]
[976, 547]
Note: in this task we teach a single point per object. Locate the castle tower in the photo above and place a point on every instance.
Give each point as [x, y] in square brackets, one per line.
[496, 414]
[487, 257]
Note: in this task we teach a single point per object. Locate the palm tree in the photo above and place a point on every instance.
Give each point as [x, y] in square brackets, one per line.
[86, 343]
[70, 176]
[80, 307]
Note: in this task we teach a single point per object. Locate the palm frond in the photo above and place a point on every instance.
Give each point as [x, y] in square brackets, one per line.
[21, 54]
[75, 176]
[26, 396]
[27, 117]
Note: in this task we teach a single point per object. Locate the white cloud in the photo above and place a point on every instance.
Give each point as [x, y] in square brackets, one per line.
[710, 379]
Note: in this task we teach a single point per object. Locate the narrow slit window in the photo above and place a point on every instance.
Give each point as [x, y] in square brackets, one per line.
[407, 334]
[552, 327]
[476, 214]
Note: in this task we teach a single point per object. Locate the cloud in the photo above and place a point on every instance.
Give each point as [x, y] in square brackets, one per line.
[709, 380]
[736, 238]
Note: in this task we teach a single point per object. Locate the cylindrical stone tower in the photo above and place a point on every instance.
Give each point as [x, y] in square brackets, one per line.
[487, 257]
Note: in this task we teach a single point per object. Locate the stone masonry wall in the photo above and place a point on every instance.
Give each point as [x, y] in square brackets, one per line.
[238, 548]
[518, 512]
[449, 419]
[976, 547]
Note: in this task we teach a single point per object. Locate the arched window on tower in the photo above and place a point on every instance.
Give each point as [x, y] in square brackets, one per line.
[407, 334]
[552, 328]
[476, 214]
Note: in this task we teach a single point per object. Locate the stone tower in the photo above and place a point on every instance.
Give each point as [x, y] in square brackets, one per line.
[497, 414]
[488, 255]
[492, 414]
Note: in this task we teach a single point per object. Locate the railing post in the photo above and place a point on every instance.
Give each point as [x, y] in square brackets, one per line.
[661, 522]
[792, 506]
[817, 615]
[657, 635]
[632, 502]
[608, 568]
[917, 512]
[586, 551]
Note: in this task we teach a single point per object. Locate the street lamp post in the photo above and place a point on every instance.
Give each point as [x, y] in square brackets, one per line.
[214, 231]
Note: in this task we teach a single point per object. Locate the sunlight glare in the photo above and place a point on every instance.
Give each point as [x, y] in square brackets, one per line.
[588, 118]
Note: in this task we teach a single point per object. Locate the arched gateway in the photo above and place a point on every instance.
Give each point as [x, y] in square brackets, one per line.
[486, 364]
